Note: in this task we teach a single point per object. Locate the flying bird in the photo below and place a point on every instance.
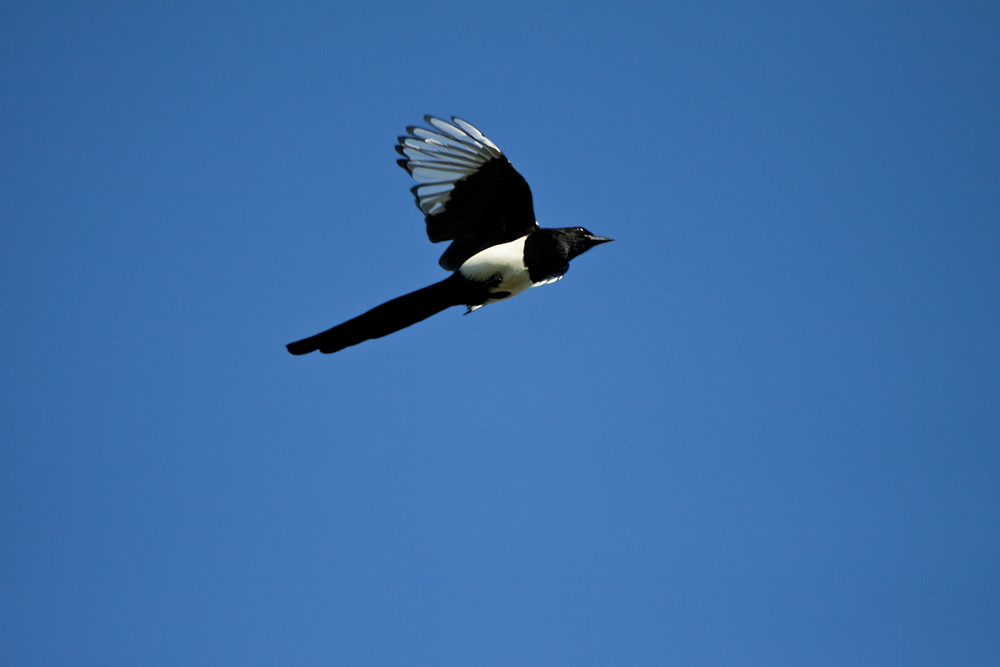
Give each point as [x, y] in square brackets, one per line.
[471, 195]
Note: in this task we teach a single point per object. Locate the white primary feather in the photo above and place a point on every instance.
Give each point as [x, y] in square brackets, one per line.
[440, 157]
[548, 281]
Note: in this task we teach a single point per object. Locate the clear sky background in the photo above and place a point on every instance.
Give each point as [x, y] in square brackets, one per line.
[761, 428]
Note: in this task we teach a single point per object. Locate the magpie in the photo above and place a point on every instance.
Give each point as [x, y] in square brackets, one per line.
[471, 195]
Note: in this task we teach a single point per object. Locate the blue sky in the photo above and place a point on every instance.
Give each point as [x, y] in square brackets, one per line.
[759, 429]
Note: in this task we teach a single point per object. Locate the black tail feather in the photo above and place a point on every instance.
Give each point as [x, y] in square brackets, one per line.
[393, 315]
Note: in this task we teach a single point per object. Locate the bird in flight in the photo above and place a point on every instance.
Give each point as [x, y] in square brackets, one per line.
[470, 195]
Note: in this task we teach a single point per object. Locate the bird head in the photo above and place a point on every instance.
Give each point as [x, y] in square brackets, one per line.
[578, 241]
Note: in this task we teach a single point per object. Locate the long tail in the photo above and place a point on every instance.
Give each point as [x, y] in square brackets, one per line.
[393, 315]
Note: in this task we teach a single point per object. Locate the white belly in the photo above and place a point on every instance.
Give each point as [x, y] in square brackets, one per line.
[505, 260]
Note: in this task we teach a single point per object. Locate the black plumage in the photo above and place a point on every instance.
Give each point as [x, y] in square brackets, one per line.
[471, 195]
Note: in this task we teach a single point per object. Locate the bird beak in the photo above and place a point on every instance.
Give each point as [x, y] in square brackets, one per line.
[597, 240]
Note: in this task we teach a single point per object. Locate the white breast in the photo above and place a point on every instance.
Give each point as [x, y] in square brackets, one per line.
[505, 260]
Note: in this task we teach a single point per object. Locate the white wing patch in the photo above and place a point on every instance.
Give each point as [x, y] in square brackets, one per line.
[440, 157]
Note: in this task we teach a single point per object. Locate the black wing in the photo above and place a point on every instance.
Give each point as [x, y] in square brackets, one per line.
[468, 191]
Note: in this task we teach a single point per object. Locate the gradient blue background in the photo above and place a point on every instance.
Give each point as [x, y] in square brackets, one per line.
[759, 429]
